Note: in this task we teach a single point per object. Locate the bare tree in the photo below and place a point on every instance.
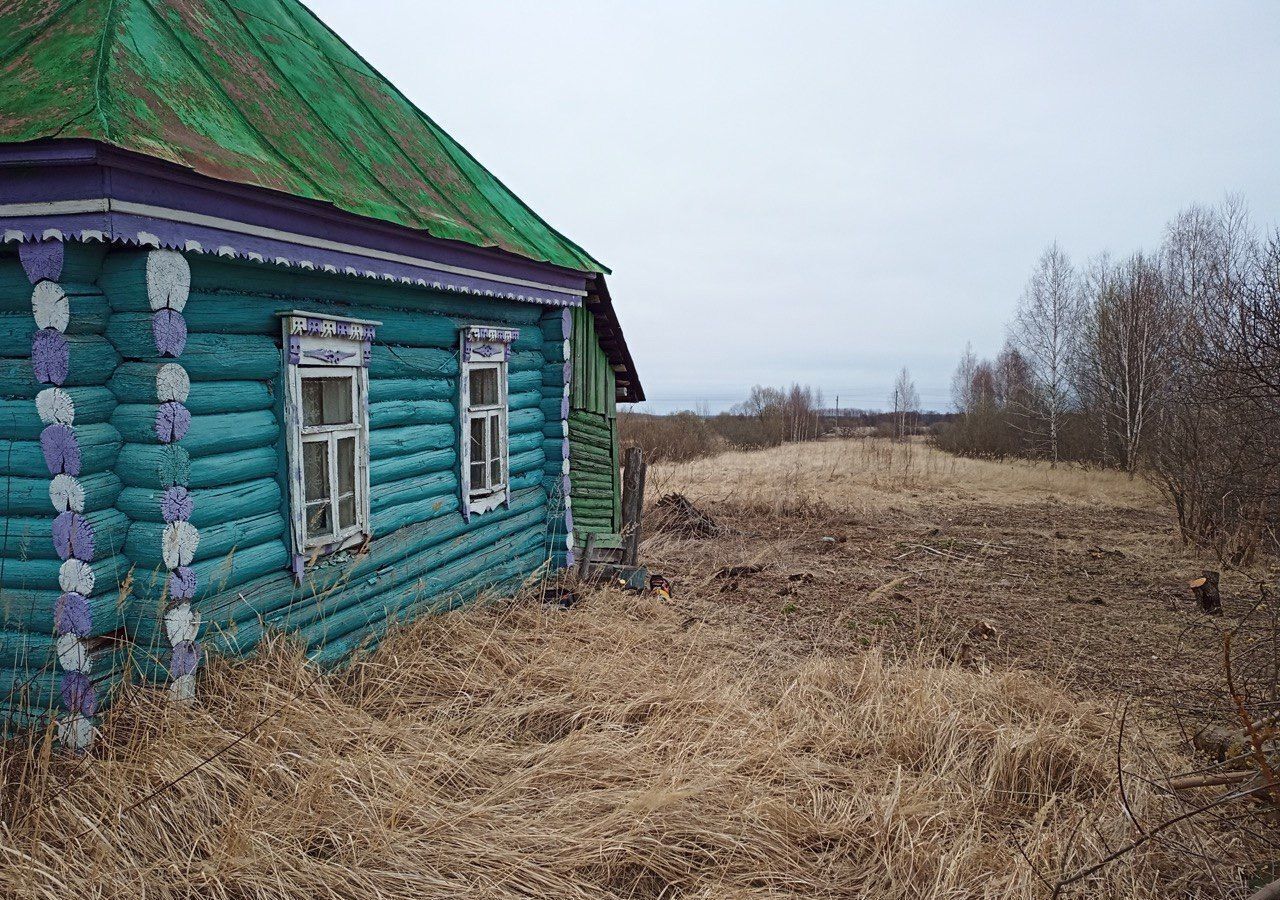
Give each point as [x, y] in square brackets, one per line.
[962, 381]
[1127, 340]
[1044, 332]
[905, 401]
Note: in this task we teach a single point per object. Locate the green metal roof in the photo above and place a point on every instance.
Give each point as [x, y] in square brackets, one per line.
[256, 92]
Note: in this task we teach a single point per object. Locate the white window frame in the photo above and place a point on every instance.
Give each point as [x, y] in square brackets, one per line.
[318, 346]
[484, 348]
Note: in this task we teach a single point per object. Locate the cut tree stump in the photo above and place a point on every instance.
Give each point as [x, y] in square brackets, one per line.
[1206, 593]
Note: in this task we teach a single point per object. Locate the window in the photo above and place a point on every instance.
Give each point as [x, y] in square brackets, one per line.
[485, 352]
[326, 414]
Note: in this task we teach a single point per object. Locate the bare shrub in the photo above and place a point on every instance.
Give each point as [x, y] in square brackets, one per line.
[673, 438]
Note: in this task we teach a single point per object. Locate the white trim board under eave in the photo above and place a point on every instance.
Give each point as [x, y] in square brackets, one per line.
[108, 205]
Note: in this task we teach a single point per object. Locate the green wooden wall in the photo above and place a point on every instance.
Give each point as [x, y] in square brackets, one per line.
[423, 555]
[595, 485]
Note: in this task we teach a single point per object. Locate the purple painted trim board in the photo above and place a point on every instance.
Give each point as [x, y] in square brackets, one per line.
[82, 171]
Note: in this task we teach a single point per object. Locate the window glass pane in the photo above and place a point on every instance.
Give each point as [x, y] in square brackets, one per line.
[347, 512]
[326, 401]
[346, 465]
[477, 439]
[315, 470]
[477, 475]
[318, 524]
[495, 449]
[484, 387]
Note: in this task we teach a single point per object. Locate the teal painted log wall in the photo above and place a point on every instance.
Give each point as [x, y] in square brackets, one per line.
[419, 533]
[423, 555]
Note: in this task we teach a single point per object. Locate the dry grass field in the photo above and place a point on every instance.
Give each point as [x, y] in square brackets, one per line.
[1071, 572]
[907, 700]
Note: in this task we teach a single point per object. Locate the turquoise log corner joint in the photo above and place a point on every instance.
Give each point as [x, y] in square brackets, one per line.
[233, 400]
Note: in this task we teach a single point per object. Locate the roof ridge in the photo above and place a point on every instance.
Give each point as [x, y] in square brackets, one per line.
[100, 67]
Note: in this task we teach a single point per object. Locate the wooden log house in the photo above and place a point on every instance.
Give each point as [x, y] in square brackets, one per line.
[275, 352]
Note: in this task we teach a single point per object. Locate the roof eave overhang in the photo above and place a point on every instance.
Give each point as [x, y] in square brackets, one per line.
[83, 190]
[613, 342]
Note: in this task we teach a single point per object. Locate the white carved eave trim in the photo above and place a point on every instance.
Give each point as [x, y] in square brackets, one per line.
[523, 290]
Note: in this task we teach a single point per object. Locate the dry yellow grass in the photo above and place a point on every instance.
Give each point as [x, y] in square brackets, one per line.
[870, 474]
[617, 749]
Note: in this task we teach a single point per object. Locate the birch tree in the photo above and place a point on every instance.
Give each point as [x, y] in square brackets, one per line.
[1044, 332]
[1127, 349]
[905, 401]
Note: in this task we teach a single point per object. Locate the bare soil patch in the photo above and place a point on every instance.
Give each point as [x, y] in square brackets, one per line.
[860, 544]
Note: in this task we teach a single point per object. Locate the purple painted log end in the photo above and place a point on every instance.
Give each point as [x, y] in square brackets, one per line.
[564, 485]
[78, 694]
[568, 371]
[50, 357]
[564, 407]
[172, 421]
[42, 260]
[177, 504]
[566, 323]
[568, 558]
[71, 615]
[73, 537]
[185, 658]
[61, 450]
[182, 583]
[169, 329]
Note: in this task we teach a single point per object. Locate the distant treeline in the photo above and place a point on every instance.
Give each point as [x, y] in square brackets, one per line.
[1165, 364]
[768, 417]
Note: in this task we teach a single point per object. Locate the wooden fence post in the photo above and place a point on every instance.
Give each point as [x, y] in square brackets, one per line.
[633, 473]
[584, 568]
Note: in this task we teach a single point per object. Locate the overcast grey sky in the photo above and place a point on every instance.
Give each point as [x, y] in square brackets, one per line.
[823, 191]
